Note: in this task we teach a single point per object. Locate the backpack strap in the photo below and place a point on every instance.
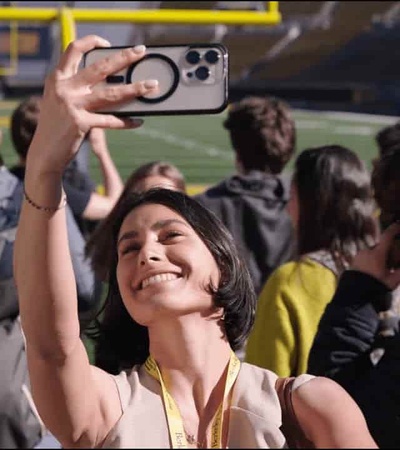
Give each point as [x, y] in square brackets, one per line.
[291, 428]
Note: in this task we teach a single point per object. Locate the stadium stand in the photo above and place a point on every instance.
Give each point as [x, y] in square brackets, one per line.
[370, 58]
[323, 54]
[349, 64]
[347, 20]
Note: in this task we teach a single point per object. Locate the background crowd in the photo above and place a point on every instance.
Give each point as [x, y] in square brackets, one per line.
[319, 246]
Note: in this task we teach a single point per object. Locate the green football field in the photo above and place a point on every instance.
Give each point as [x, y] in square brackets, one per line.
[199, 145]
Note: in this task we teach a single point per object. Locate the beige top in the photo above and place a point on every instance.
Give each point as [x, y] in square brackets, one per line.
[254, 418]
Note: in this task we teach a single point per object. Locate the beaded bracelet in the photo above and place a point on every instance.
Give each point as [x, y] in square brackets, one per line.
[62, 204]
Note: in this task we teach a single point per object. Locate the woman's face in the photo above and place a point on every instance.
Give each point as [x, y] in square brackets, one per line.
[293, 205]
[163, 266]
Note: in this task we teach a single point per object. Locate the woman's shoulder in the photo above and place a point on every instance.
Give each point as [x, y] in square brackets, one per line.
[256, 388]
[256, 373]
[267, 378]
[255, 393]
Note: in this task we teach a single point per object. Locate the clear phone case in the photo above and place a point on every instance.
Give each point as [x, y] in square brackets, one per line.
[193, 79]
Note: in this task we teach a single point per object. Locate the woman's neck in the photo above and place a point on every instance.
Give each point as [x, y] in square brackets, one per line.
[192, 354]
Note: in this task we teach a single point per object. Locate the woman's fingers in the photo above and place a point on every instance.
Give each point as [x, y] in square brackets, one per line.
[72, 56]
[110, 96]
[119, 60]
[110, 121]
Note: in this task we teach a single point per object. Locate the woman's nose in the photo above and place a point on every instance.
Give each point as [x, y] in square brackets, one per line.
[149, 254]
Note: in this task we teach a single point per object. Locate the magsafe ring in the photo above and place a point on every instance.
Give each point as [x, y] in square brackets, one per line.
[155, 66]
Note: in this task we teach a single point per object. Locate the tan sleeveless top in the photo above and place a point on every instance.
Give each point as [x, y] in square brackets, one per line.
[254, 418]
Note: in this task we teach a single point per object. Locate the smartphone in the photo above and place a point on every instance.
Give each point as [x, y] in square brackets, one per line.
[193, 79]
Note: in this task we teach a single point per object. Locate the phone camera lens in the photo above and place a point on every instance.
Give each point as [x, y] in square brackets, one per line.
[202, 73]
[212, 56]
[193, 57]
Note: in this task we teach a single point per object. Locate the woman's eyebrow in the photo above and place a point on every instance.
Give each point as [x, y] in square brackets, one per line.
[127, 235]
[156, 226]
[163, 223]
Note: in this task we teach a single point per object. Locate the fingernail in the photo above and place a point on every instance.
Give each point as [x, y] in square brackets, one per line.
[150, 84]
[139, 49]
[105, 42]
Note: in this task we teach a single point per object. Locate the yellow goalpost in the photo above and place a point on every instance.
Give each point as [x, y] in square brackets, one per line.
[67, 18]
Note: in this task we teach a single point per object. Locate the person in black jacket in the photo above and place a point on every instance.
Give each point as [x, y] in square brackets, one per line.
[358, 340]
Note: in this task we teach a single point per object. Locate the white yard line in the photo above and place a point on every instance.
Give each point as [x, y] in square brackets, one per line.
[354, 130]
[185, 143]
[324, 125]
[304, 124]
[351, 117]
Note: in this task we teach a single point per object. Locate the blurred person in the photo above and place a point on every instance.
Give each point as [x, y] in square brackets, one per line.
[22, 128]
[146, 176]
[86, 204]
[331, 205]
[388, 139]
[155, 174]
[20, 426]
[176, 278]
[252, 202]
[358, 342]
[386, 185]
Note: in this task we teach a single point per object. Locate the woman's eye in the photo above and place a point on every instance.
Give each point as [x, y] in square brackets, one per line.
[172, 234]
[129, 249]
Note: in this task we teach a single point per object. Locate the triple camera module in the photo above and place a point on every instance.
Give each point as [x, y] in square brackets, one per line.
[202, 72]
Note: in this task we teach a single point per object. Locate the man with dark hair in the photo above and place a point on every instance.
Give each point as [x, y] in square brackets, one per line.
[252, 203]
[86, 204]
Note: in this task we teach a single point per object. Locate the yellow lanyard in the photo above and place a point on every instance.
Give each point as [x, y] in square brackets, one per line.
[174, 419]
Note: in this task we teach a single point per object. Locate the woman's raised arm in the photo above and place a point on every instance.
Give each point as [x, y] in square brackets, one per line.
[77, 402]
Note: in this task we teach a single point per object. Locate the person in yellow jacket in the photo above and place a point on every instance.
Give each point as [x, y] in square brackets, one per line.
[332, 210]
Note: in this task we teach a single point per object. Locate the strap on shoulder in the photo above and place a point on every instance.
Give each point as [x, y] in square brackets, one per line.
[291, 428]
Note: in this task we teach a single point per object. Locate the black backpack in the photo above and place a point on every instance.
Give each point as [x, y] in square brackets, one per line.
[20, 425]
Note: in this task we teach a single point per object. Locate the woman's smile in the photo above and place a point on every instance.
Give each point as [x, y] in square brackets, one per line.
[159, 278]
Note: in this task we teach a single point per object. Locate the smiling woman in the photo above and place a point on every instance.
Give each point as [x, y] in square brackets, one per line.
[154, 234]
[180, 302]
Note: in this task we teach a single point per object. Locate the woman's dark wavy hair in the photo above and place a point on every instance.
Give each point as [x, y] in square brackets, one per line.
[120, 341]
[336, 205]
